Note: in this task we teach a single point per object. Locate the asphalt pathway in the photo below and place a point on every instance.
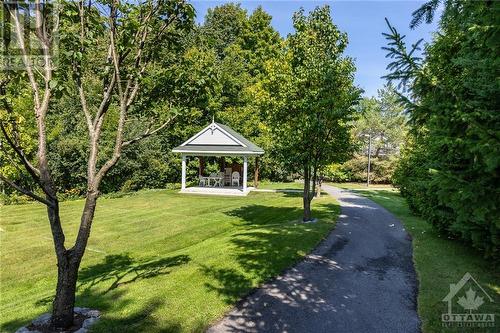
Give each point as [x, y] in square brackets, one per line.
[360, 279]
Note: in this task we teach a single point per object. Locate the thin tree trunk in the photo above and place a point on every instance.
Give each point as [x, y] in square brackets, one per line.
[64, 301]
[314, 181]
[307, 197]
[256, 173]
[68, 263]
[318, 188]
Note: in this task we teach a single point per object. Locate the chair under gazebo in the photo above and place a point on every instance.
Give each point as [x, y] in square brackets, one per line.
[220, 141]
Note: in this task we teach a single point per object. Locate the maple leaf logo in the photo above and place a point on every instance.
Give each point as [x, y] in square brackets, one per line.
[470, 301]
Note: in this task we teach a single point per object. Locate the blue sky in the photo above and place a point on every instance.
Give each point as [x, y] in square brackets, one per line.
[362, 20]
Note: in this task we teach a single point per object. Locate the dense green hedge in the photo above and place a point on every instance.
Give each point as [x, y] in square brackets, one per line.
[449, 172]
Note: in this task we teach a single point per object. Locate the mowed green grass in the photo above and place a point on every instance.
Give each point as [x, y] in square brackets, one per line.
[157, 261]
[362, 186]
[440, 261]
[281, 186]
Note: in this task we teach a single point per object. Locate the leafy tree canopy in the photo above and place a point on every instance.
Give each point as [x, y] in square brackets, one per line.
[309, 96]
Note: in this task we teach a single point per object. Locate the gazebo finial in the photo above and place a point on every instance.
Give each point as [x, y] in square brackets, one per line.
[213, 118]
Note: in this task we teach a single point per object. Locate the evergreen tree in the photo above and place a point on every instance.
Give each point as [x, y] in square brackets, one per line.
[450, 168]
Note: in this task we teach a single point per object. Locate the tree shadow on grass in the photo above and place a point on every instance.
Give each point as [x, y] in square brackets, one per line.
[120, 314]
[230, 284]
[293, 193]
[271, 239]
[261, 215]
[290, 193]
[138, 320]
[12, 325]
[263, 230]
[121, 269]
[98, 288]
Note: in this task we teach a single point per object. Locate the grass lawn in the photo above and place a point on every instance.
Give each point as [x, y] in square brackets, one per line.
[439, 262]
[266, 185]
[362, 186]
[157, 261]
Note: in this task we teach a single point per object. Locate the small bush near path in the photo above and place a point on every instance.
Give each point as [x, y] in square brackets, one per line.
[157, 261]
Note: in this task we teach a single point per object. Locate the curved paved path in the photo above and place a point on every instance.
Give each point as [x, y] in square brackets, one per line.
[360, 279]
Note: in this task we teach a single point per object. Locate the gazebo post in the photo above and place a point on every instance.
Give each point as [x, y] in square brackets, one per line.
[183, 176]
[245, 166]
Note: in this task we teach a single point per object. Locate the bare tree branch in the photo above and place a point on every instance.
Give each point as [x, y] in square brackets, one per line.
[79, 80]
[25, 191]
[106, 100]
[29, 69]
[122, 99]
[83, 102]
[138, 60]
[35, 173]
[41, 105]
[147, 133]
[55, 29]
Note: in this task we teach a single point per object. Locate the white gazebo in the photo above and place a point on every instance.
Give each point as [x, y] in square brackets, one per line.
[219, 140]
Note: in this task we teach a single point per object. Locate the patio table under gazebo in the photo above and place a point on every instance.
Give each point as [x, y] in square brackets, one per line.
[221, 141]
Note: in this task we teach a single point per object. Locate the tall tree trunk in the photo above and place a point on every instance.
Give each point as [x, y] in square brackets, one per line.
[68, 263]
[307, 196]
[67, 271]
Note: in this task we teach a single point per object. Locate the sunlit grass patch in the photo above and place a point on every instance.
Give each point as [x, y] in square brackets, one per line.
[158, 261]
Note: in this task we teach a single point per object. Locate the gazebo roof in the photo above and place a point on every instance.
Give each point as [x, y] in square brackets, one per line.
[218, 139]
